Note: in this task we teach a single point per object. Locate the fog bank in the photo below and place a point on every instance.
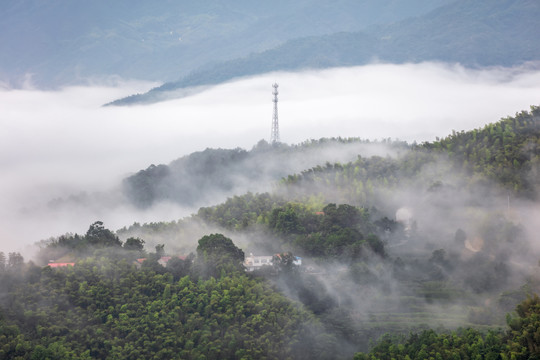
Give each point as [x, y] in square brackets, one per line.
[60, 143]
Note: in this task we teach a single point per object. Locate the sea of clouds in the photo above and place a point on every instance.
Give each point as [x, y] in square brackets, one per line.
[57, 143]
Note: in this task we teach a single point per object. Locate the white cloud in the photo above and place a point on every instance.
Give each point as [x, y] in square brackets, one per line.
[58, 142]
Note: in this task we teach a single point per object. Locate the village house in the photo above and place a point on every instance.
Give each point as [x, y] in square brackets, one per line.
[60, 264]
[252, 263]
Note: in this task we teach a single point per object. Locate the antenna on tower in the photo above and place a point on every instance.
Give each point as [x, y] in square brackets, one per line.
[274, 137]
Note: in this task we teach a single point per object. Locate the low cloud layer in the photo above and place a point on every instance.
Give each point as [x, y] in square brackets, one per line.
[53, 144]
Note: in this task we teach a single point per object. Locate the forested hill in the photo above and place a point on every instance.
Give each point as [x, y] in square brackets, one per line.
[108, 305]
[428, 236]
[519, 342]
[507, 152]
[472, 33]
[398, 243]
[211, 175]
[461, 182]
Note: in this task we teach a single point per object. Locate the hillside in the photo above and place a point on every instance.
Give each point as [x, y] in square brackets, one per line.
[479, 33]
[202, 177]
[336, 248]
[105, 307]
[435, 235]
[65, 42]
[108, 305]
[505, 152]
[395, 244]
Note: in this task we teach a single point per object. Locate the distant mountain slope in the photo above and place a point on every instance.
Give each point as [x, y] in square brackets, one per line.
[473, 33]
[64, 41]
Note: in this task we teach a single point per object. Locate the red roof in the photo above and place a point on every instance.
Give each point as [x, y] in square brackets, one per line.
[55, 265]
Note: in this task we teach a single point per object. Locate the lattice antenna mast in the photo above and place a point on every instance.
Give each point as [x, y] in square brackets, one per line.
[274, 137]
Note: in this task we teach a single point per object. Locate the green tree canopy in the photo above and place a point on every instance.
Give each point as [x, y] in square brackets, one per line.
[133, 243]
[217, 252]
[98, 235]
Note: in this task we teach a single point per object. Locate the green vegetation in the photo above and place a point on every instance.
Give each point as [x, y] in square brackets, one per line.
[392, 248]
[218, 254]
[520, 341]
[201, 176]
[507, 152]
[106, 307]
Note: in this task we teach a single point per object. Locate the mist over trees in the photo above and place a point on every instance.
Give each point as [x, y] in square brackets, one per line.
[462, 254]
[401, 240]
[200, 177]
[106, 306]
[337, 248]
[519, 341]
[505, 152]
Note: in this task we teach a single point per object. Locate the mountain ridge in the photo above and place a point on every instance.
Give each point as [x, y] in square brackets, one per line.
[474, 34]
[64, 42]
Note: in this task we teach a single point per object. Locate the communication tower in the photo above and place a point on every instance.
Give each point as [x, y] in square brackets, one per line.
[274, 137]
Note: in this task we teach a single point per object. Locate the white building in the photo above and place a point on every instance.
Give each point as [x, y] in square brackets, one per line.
[252, 263]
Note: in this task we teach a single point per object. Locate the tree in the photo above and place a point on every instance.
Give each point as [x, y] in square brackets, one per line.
[180, 268]
[131, 313]
[160, 250]
[135, 244]
[285, 220]
[15, 259]
[284, 262]
[460, 237]
[524, 333]
[98, 235]
[376, 244]
[343, 216]
[218, 252]
[2, 261]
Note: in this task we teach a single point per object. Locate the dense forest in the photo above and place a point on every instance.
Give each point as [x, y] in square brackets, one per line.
[519, 341]
[418, 251]
[108, 307]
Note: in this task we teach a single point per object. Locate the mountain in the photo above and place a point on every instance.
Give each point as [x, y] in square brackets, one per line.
[63, 42]
[479, 33]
